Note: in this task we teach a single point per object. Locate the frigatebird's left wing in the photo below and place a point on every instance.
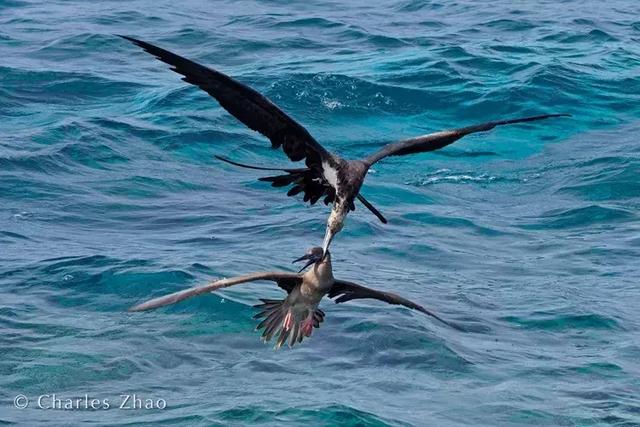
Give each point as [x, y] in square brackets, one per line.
[437, 140]
[304, 180]
[247, 105]
[344, 291]
[286, 281]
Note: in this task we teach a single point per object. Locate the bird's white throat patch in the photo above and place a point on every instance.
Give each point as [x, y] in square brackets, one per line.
[330, 174]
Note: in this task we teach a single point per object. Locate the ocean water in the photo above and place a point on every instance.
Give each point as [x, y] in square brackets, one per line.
[528, 237]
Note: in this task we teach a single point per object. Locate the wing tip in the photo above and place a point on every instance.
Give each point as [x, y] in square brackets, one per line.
[131, 39]
[144, 45]
[222, 159]
[151, 304]
[530, 119]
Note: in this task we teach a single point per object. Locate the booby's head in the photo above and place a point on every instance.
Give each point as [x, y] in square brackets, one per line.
[314, 255]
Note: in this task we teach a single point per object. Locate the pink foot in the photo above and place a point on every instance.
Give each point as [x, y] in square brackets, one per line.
[288, 321]
[307, 325]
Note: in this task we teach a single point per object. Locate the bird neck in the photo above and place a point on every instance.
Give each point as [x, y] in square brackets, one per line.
[337, 216]
[322, 271]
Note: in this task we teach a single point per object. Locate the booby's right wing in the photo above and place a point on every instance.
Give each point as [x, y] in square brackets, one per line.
[286, 281]
[344, 291]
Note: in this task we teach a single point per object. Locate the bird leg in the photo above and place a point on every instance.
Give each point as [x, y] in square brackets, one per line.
[307, 324]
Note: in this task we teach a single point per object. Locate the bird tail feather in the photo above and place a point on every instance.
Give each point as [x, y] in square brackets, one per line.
[292, 176]
[279, 319]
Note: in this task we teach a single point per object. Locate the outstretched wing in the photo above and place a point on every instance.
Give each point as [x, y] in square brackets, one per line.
[286, 281]
[437, 140]
[344, 291]
[247, 105]
[304, 180]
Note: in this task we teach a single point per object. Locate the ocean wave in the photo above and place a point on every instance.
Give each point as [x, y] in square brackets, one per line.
[526, 236]
[587, 216]
[62, 88]
[354, 95]
[331, 414]
[444, 176]
[564, 322]
[307, 22]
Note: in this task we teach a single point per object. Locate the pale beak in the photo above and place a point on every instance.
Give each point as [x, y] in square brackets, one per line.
[328, 237]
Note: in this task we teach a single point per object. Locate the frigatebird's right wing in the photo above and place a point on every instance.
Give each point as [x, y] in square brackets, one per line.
[304, 180]
[249, 106]
[344, 291]
[286, 281]
[435, 141]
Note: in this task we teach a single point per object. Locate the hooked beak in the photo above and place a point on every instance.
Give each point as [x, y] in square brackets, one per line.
[328, 237]
[312, 260]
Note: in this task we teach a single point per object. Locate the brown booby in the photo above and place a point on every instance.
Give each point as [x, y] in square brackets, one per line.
[294, 317]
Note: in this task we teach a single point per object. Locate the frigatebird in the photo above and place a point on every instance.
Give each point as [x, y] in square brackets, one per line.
[294, 317]
[326, 175]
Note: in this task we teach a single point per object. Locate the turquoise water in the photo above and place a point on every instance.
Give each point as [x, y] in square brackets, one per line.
[528, 236]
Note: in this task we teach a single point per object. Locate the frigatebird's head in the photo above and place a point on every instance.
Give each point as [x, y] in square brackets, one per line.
[335, 223]
[313, 255]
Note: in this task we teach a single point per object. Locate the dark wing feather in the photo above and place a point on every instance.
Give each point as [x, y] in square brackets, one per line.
[437, 140]
[260, 168]
[309, 181]
[247, 105]
[286, 281]
[345, 291]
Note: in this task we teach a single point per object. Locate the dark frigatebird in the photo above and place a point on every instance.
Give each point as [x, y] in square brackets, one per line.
[294, 317]
[326, 174]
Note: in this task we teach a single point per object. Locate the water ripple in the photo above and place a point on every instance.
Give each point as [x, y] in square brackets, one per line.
[526, 237]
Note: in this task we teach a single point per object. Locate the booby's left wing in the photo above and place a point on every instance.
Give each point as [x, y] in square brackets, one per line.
[286, 281]
[253, 109]
[437, 140]
[344, 291]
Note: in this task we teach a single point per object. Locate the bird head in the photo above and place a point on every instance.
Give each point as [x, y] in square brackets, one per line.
[313, 255]
[334, 224]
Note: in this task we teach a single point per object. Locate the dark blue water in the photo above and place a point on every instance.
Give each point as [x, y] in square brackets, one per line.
[528, 236]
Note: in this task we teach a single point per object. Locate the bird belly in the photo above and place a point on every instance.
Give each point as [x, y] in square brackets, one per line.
[310, 295]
